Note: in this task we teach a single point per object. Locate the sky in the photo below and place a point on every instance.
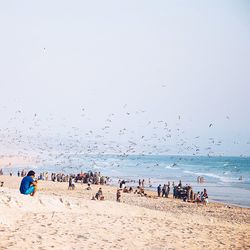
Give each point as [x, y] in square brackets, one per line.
[70, 66]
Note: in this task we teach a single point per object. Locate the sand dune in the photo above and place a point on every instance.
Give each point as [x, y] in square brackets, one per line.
[60, 219]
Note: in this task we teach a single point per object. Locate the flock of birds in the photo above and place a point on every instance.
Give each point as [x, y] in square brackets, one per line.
[51, 147]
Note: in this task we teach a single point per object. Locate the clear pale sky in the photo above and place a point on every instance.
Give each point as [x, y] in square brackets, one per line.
[167, 58]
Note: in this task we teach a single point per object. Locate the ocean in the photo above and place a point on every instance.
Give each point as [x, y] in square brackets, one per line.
[227, 179]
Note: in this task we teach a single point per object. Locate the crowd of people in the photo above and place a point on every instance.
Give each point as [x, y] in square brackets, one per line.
[163, 191]
[92, 177]
[139, 190]
[179, 191]
[186, 193]
[58, 177]
[21, 174]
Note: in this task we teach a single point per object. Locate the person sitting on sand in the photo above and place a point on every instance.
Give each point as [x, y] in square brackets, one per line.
[136, 191]
[28, 185]
[99, 195]
[198, 197]
[125, 190]
[141, 191]
[89, 187]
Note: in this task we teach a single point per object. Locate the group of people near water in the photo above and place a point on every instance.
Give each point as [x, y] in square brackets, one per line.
[139, 190]
[90, 178]
[163, 191]
[29, 186]
[58, 177]
[187, 194]
[29, 182]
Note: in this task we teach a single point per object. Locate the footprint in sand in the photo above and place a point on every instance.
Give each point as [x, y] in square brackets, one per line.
[82, 237]
[68, 204]
[41, 202]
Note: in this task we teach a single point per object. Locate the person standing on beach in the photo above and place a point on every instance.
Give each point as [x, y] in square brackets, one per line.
[143, 183]
[118, 195]
[46, 176]
[174, 192]
[71, 183]
[205, 197]
[180, 184]
[149, 182]
[28, 184]
[168, 190]
[159, 190]
[164, 190]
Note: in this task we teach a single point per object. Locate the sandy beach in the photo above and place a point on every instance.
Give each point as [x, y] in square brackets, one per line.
[58, 218]
[128, 122]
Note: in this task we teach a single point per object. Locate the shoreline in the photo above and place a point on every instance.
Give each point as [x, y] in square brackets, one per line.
[113, 187]
[222, 185]
[152, 193]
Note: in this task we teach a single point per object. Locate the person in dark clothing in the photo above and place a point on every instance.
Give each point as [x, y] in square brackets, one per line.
[159, 190]
[164, 190]
[174, 192]
[168, 190]
[180, 184]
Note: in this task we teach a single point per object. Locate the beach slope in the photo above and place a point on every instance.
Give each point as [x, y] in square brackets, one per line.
[57, 218]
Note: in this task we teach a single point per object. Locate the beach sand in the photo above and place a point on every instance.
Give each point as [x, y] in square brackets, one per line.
[58, 218]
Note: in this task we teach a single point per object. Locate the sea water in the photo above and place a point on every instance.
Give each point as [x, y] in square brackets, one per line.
[227, 179]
